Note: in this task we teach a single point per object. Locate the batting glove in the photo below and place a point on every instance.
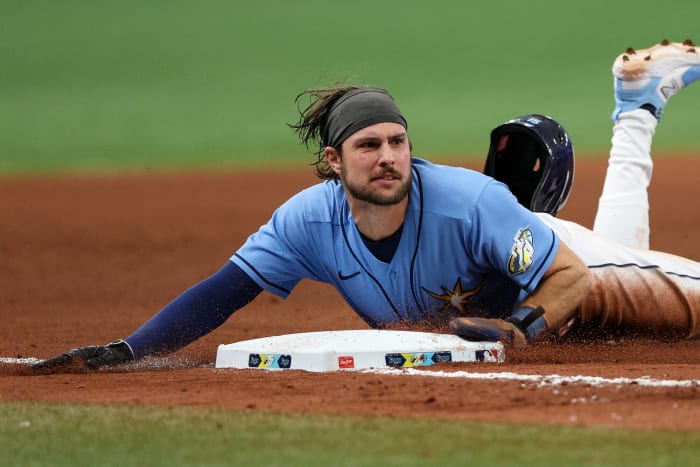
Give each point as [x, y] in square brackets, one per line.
[90, 357]
[521, 328]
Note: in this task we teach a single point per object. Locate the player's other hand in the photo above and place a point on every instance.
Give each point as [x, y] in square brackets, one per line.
[90, 357]
[491, 330]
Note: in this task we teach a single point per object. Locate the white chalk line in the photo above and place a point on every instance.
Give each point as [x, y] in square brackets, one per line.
[25, 361]
[541, 380]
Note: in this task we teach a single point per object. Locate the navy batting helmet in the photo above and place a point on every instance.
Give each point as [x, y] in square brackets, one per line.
[533, 155]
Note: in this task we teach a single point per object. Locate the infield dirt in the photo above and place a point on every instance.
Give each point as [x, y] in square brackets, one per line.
[87, 259]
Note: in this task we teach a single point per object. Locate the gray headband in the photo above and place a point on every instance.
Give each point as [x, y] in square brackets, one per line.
[358, 109]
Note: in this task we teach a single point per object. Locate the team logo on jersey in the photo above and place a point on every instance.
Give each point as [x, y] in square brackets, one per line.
[522, 252]
[456, 298]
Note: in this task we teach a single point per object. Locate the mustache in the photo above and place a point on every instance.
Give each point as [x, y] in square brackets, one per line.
[383, 173]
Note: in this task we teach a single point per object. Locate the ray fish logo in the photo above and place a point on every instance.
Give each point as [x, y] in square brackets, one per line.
[261, 360]
[522, 252]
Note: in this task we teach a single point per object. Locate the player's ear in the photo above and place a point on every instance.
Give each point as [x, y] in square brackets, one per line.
[333, 157]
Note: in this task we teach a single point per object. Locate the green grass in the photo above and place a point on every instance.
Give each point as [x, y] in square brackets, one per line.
[73, 435]
[143, 84]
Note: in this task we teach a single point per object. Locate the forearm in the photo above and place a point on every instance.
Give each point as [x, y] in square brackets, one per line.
[195, 313]
[562, 289]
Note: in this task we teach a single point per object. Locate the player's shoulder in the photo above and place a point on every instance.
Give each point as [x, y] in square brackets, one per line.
[452, 177]
[447, 185]
[316, 203]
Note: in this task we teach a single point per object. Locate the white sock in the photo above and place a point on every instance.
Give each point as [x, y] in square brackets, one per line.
[623, 207]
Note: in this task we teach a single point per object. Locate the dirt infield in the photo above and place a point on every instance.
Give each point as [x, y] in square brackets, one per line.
[87, 259]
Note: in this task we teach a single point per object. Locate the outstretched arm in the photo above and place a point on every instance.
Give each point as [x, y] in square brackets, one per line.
[196, 312]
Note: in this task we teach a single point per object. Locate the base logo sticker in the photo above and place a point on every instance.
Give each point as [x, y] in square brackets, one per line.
[488, 355]
[346, 361]
[409, 359]
[261, 360]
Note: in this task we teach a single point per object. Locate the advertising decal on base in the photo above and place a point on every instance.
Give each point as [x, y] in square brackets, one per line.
[346, 361]
[409, 359]
[261, 360]
[489, 355]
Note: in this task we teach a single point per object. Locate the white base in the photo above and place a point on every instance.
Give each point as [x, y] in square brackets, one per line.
[360, 349]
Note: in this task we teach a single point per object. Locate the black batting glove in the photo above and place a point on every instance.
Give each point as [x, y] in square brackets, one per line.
[488, 330]
[524, 326]
[90, 357]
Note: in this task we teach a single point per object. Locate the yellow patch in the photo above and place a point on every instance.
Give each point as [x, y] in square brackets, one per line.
[522, 252]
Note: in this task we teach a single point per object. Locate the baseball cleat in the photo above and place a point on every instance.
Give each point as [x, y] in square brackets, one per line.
[647, 78]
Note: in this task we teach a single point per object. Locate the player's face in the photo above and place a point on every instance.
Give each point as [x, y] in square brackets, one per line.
[375, 165]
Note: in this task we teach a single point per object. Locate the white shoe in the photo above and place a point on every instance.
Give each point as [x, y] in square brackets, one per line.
[647, 78]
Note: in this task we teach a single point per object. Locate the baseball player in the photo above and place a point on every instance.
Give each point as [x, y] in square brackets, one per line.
[404, 240]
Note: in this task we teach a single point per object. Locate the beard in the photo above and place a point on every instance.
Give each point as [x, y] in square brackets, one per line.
[369, 195]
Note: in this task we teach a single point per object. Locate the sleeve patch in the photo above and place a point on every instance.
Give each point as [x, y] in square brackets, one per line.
[522, 252]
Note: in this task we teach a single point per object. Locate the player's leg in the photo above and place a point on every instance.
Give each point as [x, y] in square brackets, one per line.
[644, 80]
[660, 294]
[642, 291]
[623, 207]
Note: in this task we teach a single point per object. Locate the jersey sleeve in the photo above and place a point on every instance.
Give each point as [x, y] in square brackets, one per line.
[194, 313]
[281, 252]
[511, 238]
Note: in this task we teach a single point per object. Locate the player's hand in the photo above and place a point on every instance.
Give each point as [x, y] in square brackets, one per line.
[491, 330]
[90, 357]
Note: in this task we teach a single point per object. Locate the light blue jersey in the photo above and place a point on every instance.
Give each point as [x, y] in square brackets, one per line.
[467, 248]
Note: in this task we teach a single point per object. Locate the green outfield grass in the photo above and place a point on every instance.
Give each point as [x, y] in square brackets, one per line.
[72, 435]
[144, 84]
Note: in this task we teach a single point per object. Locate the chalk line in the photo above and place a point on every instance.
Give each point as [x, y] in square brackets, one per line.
[25, 361]
[541, 380]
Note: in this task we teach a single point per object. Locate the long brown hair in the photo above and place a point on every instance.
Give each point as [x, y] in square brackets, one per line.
[312, 123]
